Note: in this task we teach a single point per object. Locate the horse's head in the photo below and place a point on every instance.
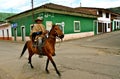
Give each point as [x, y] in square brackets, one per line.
[56, 31]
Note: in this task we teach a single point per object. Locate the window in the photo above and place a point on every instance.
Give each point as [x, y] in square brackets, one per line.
[100, 13]
[76, 26]
[117, 23]
[31, 27]
[100, 25]
[114, 23]
[7, 34]
[107, 15]
[109, 26]
[48, 25]
[3, 33]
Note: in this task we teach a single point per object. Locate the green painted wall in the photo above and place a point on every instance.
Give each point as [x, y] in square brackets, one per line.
[26, 21]
[86, 24]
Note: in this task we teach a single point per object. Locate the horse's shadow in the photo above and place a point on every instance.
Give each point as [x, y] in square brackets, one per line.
[38, 72]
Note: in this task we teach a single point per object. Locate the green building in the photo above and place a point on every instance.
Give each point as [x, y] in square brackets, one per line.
[73, 23]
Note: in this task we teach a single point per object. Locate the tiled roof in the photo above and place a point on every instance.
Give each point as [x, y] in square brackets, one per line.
[58, 8]
[93, 10]
[64, 8]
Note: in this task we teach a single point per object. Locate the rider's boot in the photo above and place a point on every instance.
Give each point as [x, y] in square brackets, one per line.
[35, 44]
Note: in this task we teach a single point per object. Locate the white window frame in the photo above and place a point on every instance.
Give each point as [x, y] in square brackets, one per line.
[31, 26]
[49, 25]
[79, 26]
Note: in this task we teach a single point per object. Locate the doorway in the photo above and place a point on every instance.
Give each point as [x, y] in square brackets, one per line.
[23, 33]
[15, 34]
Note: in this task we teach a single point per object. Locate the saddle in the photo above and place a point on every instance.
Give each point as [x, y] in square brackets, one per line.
[39, 43]
[39, 46]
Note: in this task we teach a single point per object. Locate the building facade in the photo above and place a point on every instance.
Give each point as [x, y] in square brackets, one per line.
[106, 21]
[5, 31]
[73, 24]
[5, 28]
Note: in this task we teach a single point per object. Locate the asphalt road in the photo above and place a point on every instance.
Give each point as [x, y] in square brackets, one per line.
[96, 57]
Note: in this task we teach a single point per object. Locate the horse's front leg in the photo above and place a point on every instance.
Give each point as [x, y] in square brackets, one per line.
[47, 66]
[30, 61]
[53, 63]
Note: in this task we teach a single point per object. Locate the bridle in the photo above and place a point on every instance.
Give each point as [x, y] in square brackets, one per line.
[56, 35]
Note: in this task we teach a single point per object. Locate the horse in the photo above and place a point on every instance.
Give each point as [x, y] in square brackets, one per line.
[48, 47]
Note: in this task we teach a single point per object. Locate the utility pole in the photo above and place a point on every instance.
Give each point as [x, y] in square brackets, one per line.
[32, 11]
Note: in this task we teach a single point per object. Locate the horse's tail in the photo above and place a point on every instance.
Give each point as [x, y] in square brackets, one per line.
[24, 49]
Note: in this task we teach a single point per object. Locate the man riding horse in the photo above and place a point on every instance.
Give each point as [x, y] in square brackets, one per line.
[38, 33]
[48, 47]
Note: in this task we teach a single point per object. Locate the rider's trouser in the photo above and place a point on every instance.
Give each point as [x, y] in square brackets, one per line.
[40, 44]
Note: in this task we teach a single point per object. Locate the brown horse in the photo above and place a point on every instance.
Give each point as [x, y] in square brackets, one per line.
[48, 47]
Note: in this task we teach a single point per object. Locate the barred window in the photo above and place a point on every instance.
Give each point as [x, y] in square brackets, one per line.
[107, 15]
[100, 13]
[76, 26]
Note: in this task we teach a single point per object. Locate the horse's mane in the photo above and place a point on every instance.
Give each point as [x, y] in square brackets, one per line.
[51, 29]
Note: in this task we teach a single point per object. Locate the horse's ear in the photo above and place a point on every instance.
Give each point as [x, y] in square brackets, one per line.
[53, 25]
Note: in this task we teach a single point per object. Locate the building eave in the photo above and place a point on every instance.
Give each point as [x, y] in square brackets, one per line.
[45, 8]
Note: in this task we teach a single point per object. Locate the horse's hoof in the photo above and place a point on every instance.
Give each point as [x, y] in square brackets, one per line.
[59, 74]
[32, 67]
[47, 71]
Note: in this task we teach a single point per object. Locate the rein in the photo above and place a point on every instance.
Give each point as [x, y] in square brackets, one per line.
[59, 40]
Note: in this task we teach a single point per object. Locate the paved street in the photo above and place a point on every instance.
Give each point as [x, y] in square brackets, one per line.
[95, 57]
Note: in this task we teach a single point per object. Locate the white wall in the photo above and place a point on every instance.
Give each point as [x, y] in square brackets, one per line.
[67, 36]
[103, 19]
[5, 27]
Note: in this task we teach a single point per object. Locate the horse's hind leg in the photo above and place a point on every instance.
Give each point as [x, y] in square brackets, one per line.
[30, 61]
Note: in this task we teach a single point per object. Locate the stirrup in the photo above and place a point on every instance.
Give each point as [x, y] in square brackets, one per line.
[40, 54]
